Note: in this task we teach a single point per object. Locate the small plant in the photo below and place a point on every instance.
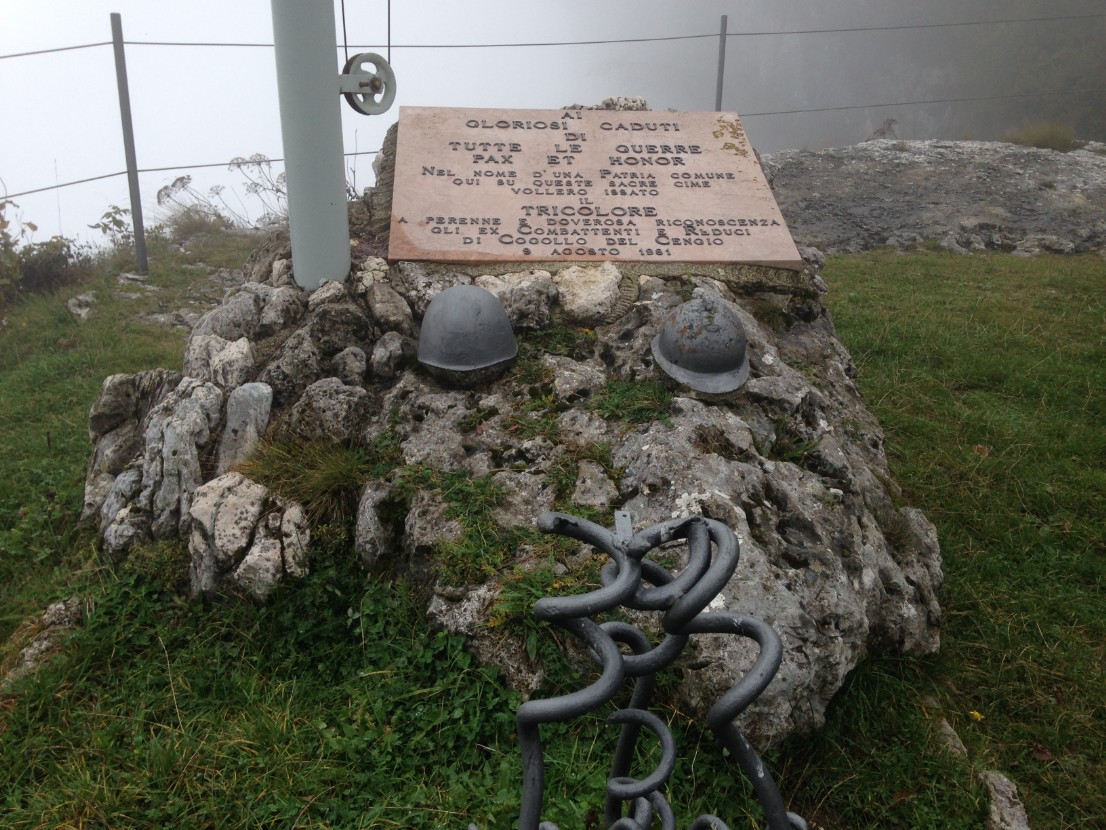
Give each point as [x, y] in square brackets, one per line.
[53, 264]
[1046, 135]
[537, 418]
[789, 445]
[189, 212]
[115, 226]
[634, 401]
[14, 232]
[271, 190]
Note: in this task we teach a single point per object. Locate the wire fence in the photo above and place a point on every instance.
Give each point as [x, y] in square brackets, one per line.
[598, 42]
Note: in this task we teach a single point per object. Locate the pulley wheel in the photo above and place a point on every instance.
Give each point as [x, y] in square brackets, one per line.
[379, 85]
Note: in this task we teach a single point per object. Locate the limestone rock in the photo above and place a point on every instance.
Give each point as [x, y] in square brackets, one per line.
[248, 409]
[224, 363]
[279, 550]
[284, 306]
[966, 195]
[238, 315]
[427, 423]
[82, 305]
[593, 487]
[50, 631]
[526, 495]
[176, 432]
[295, 366]
[466, 612]
[276, 246]
[527, 296]
[350, 365]
[427, 527]
[420, 285]
[241, 535]
[338, 325]
[329, 291]
[125, 399]
[372, 540]
[389, 309]
[252, 311]
[390, 353]
[380, 197]
[588, 293]
[329, 410]
[1006, 811]
[372, 271]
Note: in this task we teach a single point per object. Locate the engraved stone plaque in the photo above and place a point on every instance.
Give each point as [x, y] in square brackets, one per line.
[487, 185]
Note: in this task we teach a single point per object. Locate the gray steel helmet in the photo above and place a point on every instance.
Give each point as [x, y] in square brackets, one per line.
[466, 336]
[702, 345]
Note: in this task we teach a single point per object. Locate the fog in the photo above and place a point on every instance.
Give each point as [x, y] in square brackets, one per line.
[197, 105]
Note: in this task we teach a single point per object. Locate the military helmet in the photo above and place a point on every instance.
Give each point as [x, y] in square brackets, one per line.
[702, 344]
[466, 336]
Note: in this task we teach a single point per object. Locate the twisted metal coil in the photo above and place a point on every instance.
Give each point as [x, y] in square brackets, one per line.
[631, 580]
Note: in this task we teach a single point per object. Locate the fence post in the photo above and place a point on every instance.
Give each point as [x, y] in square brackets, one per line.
[311, 126]
[721, 65]
[140, 263]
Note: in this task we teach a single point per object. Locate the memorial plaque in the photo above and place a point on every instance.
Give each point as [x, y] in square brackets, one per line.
[486, 185]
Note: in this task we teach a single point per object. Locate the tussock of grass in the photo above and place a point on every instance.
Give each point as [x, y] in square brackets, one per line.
[323, 477]
[1046, 135]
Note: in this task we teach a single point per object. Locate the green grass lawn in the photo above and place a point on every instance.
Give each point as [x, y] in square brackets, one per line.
[334, 705]
[988, 375]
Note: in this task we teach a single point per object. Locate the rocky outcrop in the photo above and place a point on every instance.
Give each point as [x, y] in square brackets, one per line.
[792, 461]
[965, 195]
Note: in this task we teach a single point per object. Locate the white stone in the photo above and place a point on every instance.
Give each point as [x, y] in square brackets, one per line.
[247, 418]
[588, 293]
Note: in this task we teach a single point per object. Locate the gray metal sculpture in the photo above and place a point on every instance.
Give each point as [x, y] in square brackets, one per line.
[631, 580]
[702, 345]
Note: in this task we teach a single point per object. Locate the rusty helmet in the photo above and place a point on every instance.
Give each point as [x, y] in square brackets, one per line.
[702, 345]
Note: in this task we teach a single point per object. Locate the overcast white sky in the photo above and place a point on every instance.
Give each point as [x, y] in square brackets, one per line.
[197, 105]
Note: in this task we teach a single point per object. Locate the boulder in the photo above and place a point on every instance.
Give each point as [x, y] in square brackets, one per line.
[242, 536]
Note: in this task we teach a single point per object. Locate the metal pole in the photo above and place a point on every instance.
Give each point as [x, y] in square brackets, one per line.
[140, 264]
[721, 65]
[311, 125]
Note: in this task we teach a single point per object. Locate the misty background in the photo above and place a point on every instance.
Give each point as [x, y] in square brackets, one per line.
[800, 74]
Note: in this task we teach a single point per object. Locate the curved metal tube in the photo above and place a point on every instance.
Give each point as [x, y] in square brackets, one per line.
[633, 581]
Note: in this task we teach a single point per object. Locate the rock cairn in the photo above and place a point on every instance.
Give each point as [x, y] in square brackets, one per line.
[792, 461]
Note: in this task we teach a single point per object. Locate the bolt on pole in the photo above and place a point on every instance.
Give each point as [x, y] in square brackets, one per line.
[311, 126]
[140, 263]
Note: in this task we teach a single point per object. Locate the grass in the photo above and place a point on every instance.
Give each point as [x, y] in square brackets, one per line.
[1046, 135]
[336, 706]
[987, 375]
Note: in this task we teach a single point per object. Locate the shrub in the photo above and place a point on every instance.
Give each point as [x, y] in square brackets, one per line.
[47, 266]
[1046, 135]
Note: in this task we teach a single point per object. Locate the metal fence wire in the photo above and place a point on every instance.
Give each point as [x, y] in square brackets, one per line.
[631, 580]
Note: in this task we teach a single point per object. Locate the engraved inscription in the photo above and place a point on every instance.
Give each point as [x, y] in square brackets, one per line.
[541, 185]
